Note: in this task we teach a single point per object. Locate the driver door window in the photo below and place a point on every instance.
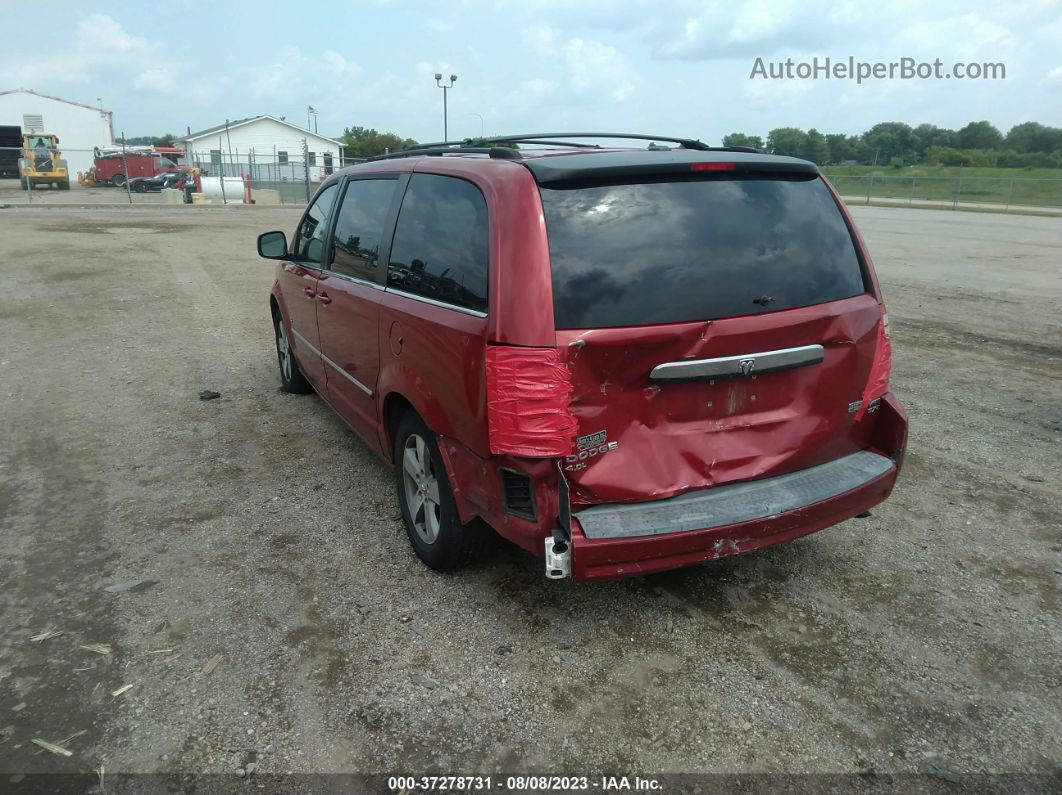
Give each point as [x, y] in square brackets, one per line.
[309, 246]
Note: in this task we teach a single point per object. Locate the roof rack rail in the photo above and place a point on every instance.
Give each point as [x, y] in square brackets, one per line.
[495, 152]
[551, 139]
[496, 148]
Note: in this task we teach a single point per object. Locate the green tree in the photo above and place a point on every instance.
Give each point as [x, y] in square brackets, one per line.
[841, 147]
[815, 148]
[741, 139]
[786, 141]
[367, 142]
[891, 139]
[927, 135]
[979, 135]
[148, 140]
[1032, 136]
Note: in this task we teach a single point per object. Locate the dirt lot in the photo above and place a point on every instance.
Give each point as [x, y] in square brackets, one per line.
[925, 639]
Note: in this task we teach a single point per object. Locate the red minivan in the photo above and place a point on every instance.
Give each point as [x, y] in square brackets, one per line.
[625, 359]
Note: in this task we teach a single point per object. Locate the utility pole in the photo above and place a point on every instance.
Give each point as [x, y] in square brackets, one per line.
[228, 139]
[439, 83]
[125, 167]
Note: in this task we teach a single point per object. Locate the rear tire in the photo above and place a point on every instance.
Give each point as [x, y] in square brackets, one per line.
[118, 180]
[64, 185]
[291, 377]
[429, 512]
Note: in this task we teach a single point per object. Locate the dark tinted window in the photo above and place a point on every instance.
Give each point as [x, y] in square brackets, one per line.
[668, 252]
[441, 242]
[309, 239]
[359, 226]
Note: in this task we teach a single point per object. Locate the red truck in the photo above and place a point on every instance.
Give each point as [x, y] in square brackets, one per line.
[115, 166]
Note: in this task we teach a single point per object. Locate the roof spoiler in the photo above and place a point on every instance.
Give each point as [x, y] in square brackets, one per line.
[552, 170]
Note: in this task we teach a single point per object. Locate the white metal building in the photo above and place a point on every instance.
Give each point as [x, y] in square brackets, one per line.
[267, 147]
[80, 127]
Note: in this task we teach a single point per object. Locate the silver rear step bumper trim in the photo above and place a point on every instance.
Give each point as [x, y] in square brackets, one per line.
[733, 502]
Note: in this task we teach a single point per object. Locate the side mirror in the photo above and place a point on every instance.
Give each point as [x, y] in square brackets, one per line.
[273, 245]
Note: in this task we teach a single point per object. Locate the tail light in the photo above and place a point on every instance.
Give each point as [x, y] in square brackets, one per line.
[528, 390]
[878, 380]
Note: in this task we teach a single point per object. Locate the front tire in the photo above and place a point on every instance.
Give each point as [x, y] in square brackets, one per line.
[428, 508]
[291, 377]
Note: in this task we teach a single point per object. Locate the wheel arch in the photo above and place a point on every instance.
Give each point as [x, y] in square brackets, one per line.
[395, 404]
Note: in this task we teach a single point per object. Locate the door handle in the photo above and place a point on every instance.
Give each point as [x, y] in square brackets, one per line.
[310, 292]
[323, 298]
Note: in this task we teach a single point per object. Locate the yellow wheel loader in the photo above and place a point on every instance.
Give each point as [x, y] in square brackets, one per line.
[41, 162]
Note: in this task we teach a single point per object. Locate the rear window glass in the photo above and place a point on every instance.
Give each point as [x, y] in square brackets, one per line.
[684, 250]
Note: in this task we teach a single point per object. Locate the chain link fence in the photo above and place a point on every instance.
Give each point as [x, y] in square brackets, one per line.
[294, 178]
[276, 178]
[1000, 193]
[135, 176]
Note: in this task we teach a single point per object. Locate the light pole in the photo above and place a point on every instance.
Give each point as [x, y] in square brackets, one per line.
[439, 83]
[480, 123]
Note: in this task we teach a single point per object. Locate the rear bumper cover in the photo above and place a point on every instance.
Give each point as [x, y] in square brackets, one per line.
[640, 538]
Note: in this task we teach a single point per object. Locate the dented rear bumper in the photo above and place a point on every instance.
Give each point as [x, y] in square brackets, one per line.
[627, 540]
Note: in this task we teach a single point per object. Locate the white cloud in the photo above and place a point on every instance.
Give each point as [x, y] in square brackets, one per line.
[965, 36]
[1053, 78]
[716, 29]
[757, 21]
[102, 52]
[592, 64]
[159, 80]
[338, 66]
[542, 39]
[293, 73]
[100, 33]
[583, 65]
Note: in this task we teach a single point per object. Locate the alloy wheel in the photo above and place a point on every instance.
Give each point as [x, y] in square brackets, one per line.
[421, 488]
[283, 350]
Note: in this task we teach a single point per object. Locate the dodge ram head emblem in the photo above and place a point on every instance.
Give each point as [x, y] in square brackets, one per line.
[747, 366]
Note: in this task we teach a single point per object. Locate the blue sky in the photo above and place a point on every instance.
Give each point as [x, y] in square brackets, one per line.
[666, 66]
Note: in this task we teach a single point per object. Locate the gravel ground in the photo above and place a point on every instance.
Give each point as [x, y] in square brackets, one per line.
[925, 639]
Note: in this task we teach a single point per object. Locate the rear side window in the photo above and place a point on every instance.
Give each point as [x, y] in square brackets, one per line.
[695, 249]
[441, 244]
[359, 227]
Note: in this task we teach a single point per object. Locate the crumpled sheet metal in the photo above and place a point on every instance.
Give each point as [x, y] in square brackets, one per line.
[528, 390]
[674, 438]
[878, 381]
